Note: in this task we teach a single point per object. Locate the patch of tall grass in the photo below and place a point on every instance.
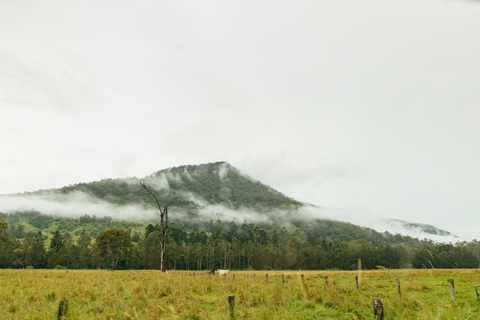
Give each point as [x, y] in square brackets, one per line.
[33, 294]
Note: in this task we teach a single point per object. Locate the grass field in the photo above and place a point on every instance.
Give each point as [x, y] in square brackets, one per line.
[99, 294]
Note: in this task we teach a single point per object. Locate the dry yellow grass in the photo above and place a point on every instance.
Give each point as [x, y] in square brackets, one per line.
[34, 294]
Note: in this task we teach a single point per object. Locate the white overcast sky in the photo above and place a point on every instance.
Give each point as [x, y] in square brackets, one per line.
[370, 104]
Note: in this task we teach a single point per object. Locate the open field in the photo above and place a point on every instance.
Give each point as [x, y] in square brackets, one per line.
[99, 294]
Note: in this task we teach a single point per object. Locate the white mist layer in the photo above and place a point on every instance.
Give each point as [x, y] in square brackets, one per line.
[77, 204]
[367, 218]
[74, 205]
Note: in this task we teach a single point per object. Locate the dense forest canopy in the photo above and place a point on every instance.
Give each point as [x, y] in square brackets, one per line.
[205, 192]
[212, 183]
[198, 239]
[31, 239]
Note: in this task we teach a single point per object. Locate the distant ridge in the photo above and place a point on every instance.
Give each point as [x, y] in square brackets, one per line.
[425, 228]
[206, 191]
[217, 183]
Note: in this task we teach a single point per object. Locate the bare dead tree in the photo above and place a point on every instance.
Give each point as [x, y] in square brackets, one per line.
[163, 224]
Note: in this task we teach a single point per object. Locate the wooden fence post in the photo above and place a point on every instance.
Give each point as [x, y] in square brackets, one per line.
[254, 277]
[230, 309]
[302, 279]
[452, 289]
[478, 294]
[356, 283]
[283, 279]
[62, 309]
[326, 283]
[398, 287]
[378, 308]
[233, 275]
[359, 273]
[266, 278]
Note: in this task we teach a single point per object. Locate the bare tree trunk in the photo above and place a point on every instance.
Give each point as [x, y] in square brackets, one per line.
[207, 261]
[163, 224]
[225, 260]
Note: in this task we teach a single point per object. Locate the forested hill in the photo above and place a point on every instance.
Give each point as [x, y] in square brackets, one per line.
[196, 186]
[205, 192]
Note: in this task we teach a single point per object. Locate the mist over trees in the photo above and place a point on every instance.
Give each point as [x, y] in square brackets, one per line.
[216, 183]
[163, 225]
[316, 245]
[277, 235]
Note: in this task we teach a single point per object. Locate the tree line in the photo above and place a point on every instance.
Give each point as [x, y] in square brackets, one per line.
[219, 244]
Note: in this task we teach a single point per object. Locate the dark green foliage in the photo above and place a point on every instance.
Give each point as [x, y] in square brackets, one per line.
[445, 256]
[214, 244]
[136, 237]
[83, 258]
[3, 226]
[56, 243]
[18, 231]
[8, 244]
[111, 244]
[193, 243]
[19, 221]
[35, 253]
[215, 183]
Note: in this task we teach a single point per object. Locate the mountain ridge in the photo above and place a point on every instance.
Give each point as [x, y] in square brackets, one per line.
[197, 186]
[214, 190]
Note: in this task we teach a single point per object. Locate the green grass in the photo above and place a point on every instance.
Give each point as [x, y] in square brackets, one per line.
[33, 294]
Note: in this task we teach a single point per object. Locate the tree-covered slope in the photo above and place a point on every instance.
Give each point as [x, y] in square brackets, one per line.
[42, 241]
[196, 185]
[422, 227]
[205, 192]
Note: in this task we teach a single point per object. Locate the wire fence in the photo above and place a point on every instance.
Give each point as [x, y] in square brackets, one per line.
[72, 309]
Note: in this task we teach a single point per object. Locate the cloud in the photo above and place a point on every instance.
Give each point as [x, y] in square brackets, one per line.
[158, 182]
[346, 104]
[366, 217]
[223, 170]
[74, 205]
[77, 204]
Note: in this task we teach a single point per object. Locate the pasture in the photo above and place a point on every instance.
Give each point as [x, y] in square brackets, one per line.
[99, 294]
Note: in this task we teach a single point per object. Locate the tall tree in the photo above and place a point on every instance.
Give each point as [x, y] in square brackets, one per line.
[112, 243]
[7, 245]
[56, 243]
[84, 252]
[36, 255]
[3, 226]
[55, 254]
[163, 225]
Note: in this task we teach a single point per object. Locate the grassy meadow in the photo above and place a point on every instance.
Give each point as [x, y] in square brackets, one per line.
[100, 294]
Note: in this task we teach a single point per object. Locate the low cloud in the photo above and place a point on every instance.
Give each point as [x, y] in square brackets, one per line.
[77, 204]
[158, 183]
[367, 218]
[73, 205]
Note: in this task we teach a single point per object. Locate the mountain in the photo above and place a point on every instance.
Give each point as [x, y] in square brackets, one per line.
[205, 192]
[214, 186]
[222, 212]
[420, 228]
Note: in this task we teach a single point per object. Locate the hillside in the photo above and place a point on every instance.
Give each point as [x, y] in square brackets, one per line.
[420, 227]
[206, 188]
[205, 192]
